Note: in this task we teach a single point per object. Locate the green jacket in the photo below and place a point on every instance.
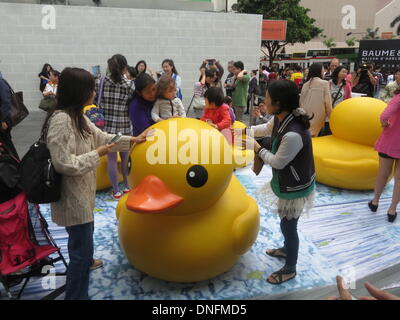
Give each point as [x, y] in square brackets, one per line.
[239, 97]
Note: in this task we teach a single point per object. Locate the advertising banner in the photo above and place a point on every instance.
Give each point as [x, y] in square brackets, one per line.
[385, 53]
[274, 30]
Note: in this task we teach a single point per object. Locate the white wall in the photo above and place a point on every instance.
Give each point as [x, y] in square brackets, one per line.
[87, 36]
[386, 15]
[139, 4]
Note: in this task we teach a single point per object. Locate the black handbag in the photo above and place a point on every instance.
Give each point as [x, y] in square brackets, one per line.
[18, 110]
[39, 179]
[48, 103]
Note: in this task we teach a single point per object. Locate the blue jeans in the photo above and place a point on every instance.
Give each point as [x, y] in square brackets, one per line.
[80, 250]
[291, 247]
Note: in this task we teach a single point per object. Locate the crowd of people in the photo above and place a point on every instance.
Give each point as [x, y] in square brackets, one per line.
[295, 106]
[322, 87]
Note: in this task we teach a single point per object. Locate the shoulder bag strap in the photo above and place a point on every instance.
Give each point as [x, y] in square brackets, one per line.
[172, 107]
[45, 129]
[100, 95]
[337, 94]
[11, 89]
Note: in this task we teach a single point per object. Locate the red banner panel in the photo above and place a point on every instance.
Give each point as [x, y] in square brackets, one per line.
[274, 30]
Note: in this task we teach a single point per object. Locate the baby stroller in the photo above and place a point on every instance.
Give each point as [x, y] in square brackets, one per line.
[25, 241]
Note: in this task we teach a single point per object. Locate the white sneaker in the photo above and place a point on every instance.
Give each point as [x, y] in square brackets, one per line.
[116, 195]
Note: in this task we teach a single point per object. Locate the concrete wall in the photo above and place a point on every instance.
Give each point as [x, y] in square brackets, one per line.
[386, 15]
[329, 16]
[88, 36]
[138, 4]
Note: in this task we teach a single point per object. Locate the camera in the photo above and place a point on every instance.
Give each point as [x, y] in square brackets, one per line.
[364, 67]
[210, 63]
[116, 138]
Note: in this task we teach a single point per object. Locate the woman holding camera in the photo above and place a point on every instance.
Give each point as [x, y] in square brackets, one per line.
[363, 81]
[214, 65]
[208, 79]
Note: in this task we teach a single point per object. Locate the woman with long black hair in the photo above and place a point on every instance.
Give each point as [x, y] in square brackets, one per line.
[291, 159]
[44, 76]
[75, 146]
[169, 68]
[141, 67]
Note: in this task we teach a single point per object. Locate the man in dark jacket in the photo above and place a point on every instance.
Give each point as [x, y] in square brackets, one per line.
[5, 121]
[8, 173]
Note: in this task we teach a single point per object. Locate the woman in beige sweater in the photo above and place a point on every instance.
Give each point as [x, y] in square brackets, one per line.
[316, 99]
[75, 146]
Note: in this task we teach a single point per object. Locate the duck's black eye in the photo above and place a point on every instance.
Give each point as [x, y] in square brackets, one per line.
[197, 176]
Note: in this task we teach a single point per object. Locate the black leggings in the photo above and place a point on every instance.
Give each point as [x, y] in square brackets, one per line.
[291, 247]
[326, 130]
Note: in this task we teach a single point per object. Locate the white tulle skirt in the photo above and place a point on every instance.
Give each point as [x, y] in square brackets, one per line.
[289, 209]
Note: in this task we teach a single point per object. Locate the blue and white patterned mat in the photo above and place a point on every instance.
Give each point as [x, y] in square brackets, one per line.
[340, 233]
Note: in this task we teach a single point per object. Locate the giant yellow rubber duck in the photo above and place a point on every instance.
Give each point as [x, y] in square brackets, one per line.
[187, 217]
[347, 158]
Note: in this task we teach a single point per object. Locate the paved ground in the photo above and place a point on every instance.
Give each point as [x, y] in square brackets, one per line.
[384, 279]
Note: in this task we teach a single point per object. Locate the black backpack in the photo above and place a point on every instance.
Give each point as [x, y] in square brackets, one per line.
[9, 174]
[39, 179]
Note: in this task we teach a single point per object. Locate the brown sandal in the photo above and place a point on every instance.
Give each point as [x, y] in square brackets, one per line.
[276, 253]
[278, 276]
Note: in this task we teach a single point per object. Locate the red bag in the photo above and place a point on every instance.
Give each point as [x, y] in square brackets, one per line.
[17, 251]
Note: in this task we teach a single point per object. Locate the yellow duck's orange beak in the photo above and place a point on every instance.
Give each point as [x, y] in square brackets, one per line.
[152, 196]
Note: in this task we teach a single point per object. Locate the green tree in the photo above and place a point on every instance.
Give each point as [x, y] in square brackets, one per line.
[393, 24]
[372, 34]
[351, 42]
[329, 43]
[300, 27]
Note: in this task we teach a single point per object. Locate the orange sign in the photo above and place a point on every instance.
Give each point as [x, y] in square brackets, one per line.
[387, 35]
[274, 30]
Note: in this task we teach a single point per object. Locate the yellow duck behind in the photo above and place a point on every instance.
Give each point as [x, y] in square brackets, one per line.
[102, 177]
[187, 219]
[347, 158]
